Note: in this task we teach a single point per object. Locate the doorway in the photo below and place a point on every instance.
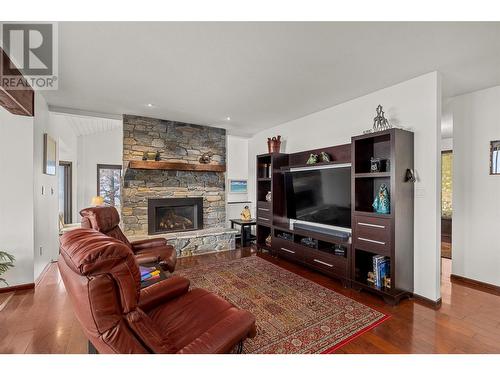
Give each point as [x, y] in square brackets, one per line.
[446, 202]
[65, 191]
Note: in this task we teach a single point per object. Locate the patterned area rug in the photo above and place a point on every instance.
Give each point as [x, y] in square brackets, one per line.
[294, 315]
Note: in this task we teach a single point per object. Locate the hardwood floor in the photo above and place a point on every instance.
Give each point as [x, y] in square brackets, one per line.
[42, 321]
[446, 250]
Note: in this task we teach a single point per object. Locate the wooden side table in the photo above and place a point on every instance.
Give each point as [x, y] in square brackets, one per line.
[243, 224]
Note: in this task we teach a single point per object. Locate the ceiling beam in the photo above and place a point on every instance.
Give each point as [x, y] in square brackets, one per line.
[16, 96]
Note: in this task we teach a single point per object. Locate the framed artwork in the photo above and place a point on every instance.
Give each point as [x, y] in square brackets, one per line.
[238, 186]
[495, 157]
[49, 155]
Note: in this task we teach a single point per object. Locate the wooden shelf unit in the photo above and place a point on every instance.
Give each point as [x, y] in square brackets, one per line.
[269, 180]
[389, 235]
[373, 233]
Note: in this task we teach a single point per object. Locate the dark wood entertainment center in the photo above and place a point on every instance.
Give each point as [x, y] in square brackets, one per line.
[389, 235]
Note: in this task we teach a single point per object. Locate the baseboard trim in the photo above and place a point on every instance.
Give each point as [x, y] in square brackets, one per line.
[427, 301]
[44, 271]
[16, 288]
[475, 284]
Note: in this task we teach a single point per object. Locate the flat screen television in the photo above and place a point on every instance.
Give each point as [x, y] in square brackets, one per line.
[321, 196]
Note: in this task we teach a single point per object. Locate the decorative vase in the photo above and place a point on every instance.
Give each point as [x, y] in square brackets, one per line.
[268, 196]
[382, 202]
[274, 144]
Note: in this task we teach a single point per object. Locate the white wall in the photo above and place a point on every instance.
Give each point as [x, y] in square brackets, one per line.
[46, 203]
[237, 169]
[446, 144]
[413, 104]
[476, 194]
[16, 195]
[68, 151]
[99, 148]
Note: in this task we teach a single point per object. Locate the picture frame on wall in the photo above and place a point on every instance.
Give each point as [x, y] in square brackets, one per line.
[49, 155]
[238, 186]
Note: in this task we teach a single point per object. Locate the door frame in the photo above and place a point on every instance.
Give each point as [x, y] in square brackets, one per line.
[68, 189]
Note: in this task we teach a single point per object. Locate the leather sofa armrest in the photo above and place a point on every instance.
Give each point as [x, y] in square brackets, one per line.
[162, 291]
[146, 244]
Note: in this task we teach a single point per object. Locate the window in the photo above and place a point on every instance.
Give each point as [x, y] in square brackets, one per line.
[446, 184]
[109, 183]
[495, 157]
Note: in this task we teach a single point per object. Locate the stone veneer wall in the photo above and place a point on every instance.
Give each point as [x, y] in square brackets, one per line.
[177, 142]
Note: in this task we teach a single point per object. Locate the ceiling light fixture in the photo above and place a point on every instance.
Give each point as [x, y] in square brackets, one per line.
[149, 105]
[228, 118]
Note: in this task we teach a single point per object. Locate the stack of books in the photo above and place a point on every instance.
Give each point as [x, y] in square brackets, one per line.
[149, 273]
[381, 270]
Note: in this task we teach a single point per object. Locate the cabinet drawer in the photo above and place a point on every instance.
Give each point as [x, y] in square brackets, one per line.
[264, 220]
[373, 234]
[264, 212]
[331, 264]
[264, 204]
[287, 249]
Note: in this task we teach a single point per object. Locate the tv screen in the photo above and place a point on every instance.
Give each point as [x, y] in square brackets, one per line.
[320, 196]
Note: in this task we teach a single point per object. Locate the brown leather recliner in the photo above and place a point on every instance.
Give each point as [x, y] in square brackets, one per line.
[106, 220]
[102, 279]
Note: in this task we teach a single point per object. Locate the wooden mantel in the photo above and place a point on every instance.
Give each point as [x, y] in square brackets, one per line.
[169, 166]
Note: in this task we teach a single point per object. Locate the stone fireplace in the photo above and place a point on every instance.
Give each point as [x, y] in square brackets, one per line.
[176, 142]
[167, 215]
[185, 207]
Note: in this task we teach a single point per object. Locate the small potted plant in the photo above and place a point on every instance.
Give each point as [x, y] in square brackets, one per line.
[6, 262]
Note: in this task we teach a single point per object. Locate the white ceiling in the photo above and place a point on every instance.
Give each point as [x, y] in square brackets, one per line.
[86, 125]
[260, 74]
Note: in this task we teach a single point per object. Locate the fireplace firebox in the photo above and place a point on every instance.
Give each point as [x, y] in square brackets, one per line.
[166, 215]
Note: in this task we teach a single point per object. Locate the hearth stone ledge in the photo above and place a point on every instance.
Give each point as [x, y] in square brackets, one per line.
[198, 242]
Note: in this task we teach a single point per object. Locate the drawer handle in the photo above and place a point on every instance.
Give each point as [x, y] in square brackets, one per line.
[288, 251]
[372, 225]
[263, 218]
[323, 263]
[263, 209]
[373, 241]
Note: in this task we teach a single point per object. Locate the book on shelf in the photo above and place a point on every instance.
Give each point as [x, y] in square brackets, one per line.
[381, 270]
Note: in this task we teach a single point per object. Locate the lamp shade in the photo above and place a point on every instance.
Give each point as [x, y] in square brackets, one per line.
[97, 201]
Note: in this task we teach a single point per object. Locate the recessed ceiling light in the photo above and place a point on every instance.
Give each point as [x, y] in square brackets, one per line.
[149, 105]
[228, 118]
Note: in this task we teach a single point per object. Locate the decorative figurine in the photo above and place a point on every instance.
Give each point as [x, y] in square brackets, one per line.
[387, 282]
[313, 159]
[157, 156]
[382, 203]
[274, 144]
[268, 240]
[375, 165]
[150, 155]
[268, 196]
[246, 215]
[380, 122]
[325, 158]
[206, 157]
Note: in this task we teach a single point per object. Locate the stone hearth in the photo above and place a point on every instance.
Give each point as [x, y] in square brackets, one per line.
[198, 242]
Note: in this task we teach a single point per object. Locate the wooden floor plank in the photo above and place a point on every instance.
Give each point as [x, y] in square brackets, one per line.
[43, 321]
